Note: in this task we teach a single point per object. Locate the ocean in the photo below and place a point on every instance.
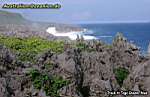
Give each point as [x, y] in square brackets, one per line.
[137, 33]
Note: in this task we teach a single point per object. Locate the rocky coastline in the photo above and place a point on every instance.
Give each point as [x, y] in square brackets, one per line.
[79, 69]
[34, 63]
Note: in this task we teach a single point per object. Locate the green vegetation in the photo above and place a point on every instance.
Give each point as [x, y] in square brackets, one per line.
[84, 47]
[121, 74]
[48, 65]
[50, 85]
[109, 46]
[81, 45]
[28, 48]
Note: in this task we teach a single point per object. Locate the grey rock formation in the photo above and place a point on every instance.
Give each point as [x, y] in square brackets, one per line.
[139, 79]
[3, 88]
[90, 72]
[7, 60]
[148, 50]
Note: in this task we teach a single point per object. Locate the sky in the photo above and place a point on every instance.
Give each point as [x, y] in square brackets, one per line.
[88, 11]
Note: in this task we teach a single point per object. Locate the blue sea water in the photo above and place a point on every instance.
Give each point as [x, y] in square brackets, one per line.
[138, 33]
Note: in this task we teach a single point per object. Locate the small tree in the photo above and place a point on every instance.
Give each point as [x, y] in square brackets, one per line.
[121, 74]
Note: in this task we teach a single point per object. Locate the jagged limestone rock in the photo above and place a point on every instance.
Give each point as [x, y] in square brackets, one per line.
[148, 50]
[3, 88]
[7, 59]
[91, 73]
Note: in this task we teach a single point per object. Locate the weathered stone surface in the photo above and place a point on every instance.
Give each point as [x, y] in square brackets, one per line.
[3, 88]
[91, 73]
[139, 79]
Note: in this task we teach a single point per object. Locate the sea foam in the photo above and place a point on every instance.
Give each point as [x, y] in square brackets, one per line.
[73, 35]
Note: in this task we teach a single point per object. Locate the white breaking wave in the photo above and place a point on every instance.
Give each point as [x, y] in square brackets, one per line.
[73, 35]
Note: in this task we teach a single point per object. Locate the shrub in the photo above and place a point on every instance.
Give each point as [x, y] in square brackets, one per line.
[81, 45]
[84, 47]
[28, 48]
[50, 85]
[121, 74]
[109, 46]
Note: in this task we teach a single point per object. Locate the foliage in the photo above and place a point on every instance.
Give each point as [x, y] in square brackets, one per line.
[121, 74]
[84, 47]
[81, 45]
[50, 85]
[48, 65]
[109, 46]
[28, 48]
